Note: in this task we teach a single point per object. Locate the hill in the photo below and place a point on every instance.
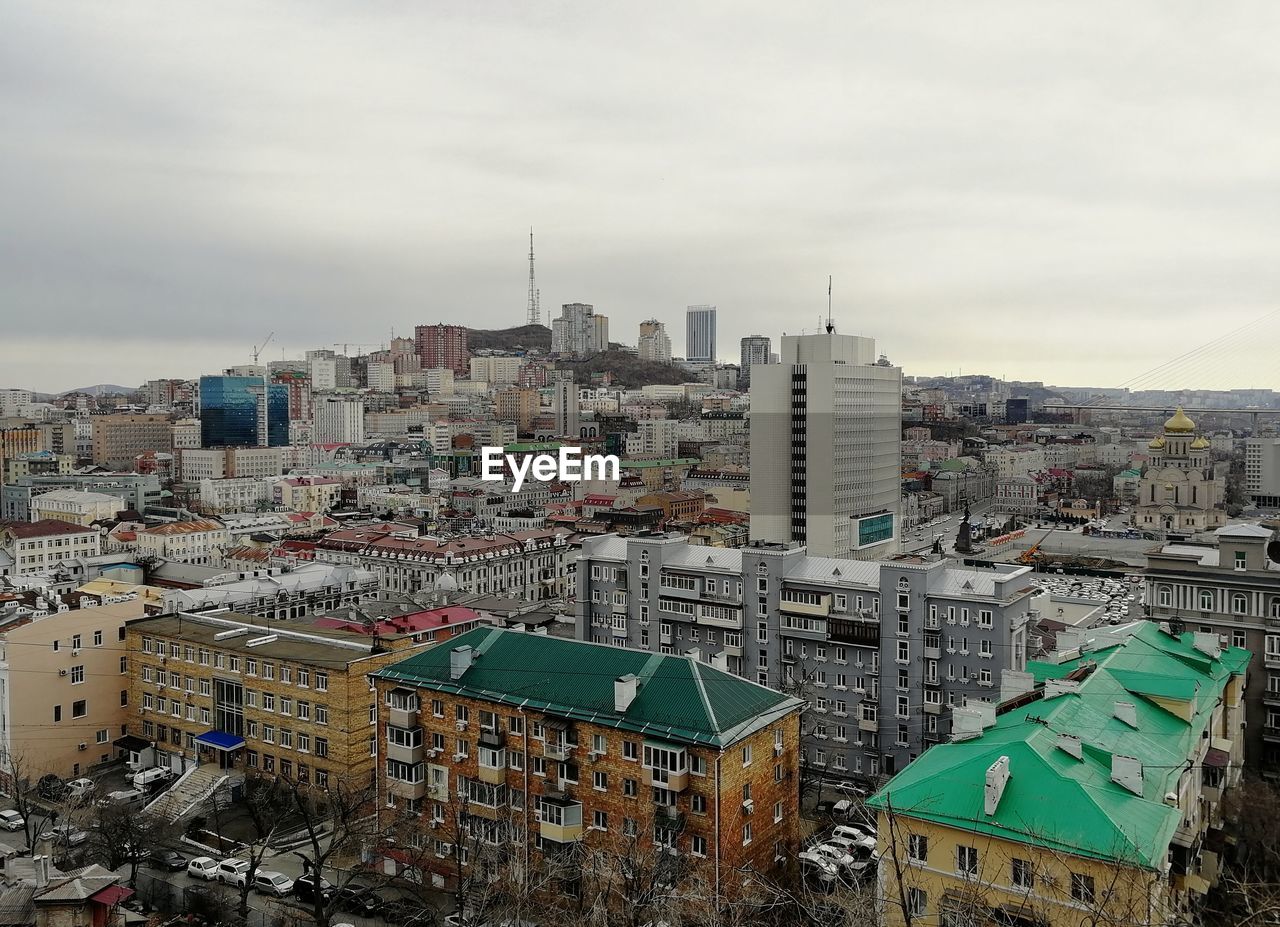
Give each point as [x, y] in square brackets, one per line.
[522, 338]
[629, 372]
[103, 389]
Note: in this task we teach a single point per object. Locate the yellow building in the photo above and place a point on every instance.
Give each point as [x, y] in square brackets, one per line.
[256, 695]
[1087, 798]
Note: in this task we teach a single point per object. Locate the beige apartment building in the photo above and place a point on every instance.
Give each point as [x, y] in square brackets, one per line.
[38, 546]
[118, 439]
[257, 695]
[76, 506]
[64, 687]
[202, 541]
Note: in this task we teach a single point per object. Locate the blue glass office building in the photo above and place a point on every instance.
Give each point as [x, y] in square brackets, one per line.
[229, 412]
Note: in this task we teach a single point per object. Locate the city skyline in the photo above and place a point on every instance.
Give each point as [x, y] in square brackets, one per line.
[1115, 208]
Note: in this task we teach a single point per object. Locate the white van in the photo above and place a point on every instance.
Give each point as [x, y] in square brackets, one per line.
[149, 778]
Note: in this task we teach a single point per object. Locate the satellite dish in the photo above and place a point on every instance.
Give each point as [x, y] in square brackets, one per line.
[1273, 551]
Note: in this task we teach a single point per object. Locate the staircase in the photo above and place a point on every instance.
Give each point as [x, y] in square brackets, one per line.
[192, 788]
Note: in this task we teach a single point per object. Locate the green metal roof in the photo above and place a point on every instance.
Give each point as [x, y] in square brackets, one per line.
[679, 698]
[1071, 805]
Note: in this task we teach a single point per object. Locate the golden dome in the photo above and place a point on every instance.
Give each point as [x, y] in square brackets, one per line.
[1156, 444]
[1200, 443]
[1179, 423]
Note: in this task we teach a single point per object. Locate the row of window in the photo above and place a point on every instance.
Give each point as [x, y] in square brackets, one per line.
[301, 676]
[1021, 871]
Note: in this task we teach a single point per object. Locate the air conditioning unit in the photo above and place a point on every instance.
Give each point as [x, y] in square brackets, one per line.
[461, 725]
[594, 755]
[459, 757]
[777, 749]
[75, 653]
[163, 657]
[62, 672]
[748, 806]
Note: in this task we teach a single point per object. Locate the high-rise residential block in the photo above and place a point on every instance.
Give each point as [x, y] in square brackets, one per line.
[826, 448]
[655, 343]
[755, 350]
[517, 405]
[700, 334]
[883, 651]
[119, 438]
[1262, 471]
[579, 332]
[339, 419]
[443, 346]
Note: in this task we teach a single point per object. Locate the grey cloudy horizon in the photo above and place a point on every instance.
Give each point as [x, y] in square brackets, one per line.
[1066, 192]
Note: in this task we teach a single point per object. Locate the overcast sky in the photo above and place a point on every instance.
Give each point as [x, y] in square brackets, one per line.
[1067, 192]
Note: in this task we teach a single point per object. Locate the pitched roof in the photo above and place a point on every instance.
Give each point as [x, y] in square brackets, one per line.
[44, 528]
[1072, 805]
[185, 527]
[679, 698]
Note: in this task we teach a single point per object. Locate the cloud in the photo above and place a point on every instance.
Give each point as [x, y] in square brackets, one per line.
[1067, 192]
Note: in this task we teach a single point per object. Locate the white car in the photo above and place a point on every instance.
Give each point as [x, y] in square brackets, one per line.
[232, 872]
[835, 855]
[863, 837]
[11, 820]
[267, 882]
[67, 834]
[850, 846]
[120, 797]
[203, 867]
[81, 788]
[819, 866]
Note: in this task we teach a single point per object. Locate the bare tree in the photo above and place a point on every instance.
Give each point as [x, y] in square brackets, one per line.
[122, 834]
[266, 803]
[22, 785]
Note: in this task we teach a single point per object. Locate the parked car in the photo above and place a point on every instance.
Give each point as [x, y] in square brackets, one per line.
[849, 845]
[819, 867]
[359, 899]
[835, 855]
[825, 806]
[66, 834]
[169, 859]
[848, 788]
[203, 867]
[120, 797]
[232, 872]
[863, 836]
[81, 789]
[867, 866]
[410, 914]
[11, 820]
[51, 787]
[150, 778]
[304, 887]
[267, 882]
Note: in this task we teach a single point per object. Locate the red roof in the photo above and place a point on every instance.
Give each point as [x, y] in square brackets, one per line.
[411, 623]
[44, 528]
[112, 895]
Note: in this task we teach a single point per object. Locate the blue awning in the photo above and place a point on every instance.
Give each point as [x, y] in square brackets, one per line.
[220, 740]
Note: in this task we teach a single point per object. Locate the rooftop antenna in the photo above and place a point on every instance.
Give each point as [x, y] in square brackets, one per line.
[831, 327]
[533, 315]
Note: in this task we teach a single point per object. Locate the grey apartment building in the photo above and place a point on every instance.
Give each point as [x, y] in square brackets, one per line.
[1230, 588]
[881, 650]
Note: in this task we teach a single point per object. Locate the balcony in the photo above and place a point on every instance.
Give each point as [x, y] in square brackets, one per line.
[667, 818]
[707, 615]
[933, 653]
[561, 819]
[405, 716]
[868, 725]
[404, 753]
[495, 775]
[402, 789]
[1271, 731]
[557, 749]
[932, 708]
[813, 628]
[1271, 660]
[664, 637]
[1271, 696]
[815, 605]
[665, 779]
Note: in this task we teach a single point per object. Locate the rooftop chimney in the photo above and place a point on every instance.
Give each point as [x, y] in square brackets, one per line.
[1128, 713]
[1126, 771]
[1014, 683]
[624, 692]
[42, 870]
[1055, 687]
[1208, 644]
[460, 661]
[997, 778]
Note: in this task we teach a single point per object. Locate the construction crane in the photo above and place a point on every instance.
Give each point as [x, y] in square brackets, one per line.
[1028, 556]
[348, 344]
[258, 349]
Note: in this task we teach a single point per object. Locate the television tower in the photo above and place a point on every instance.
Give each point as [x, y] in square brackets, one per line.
[533, 314]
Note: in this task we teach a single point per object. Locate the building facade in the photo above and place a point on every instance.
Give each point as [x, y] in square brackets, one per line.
[43, 546]
[339, 419]
[1230, 588]
[76, 506]
[494, 740]
[201, 542]
[826, 448]
[118, 439]
[755, 350]
[882, 651]
[579, 332]
[654, 343]
[1099, 812]
[243, 412]
[700, 334]
[444, 346]
[255, 695]
[1262, 471]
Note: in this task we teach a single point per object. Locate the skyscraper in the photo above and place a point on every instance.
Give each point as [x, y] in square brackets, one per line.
[655, 343]
[564, 404]
[443, 346]
[700, 335]
[755, 350]
[243, 412]
[339, 419]
[826, 448]
[579, 332]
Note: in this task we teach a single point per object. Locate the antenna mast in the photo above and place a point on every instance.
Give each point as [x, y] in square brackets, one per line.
[830, 325]
[533, 313]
